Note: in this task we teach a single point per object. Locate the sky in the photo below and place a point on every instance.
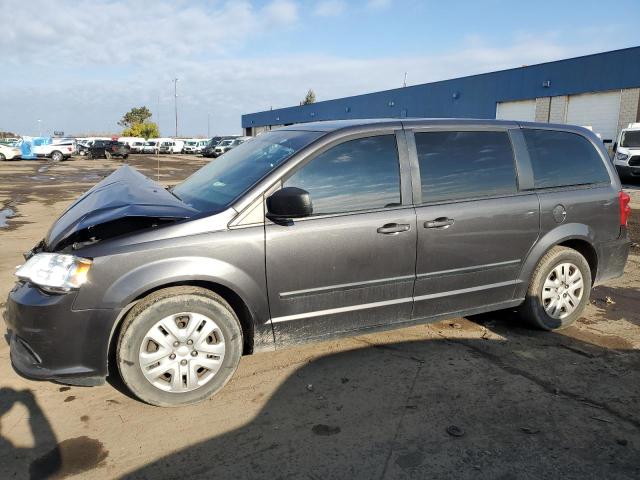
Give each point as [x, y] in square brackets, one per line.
[78, 66]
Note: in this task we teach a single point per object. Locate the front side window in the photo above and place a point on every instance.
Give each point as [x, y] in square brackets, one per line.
[459, 165]
[362, 174]
[563, 158]
[216, 185]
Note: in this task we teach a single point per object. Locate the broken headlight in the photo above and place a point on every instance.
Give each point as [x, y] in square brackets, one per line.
[55, 272]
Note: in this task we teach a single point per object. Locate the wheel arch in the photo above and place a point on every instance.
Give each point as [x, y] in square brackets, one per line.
[237, 303]
[579, 237]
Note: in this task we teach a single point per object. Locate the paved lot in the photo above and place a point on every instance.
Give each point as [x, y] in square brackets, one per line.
[481, 397]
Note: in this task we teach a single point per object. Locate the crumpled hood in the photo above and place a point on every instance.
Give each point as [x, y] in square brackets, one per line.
[126, 193]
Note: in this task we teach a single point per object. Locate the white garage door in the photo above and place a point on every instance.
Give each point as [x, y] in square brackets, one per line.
[524, 110]
[597, 110]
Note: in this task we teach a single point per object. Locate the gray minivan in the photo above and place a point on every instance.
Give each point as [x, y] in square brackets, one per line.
[314, 231]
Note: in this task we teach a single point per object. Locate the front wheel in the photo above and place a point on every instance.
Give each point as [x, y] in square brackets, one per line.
[2, 157]
[179, 346]
[559, 289]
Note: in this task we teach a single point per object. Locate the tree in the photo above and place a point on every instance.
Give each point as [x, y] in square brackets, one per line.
[309, 98]
[146, 130]
[135, 116]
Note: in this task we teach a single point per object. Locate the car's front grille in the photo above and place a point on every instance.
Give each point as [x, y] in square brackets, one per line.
[634, 161]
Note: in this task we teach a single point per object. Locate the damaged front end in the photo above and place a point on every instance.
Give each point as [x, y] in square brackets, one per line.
[124, 202]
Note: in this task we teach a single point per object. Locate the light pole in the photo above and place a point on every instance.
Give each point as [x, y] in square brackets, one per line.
[175, 103]
[208, 125]
[39, 127]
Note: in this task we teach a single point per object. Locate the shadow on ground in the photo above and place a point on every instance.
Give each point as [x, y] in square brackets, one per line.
[522, 404]
[484, 398]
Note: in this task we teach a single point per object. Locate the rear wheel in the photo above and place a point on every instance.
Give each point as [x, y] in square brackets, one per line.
[2, 157]
[107, 155]
[56, 156]
[559, 290]
[179, 346]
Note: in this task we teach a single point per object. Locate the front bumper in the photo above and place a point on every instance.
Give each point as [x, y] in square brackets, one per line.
[51, 341]
[626, 171]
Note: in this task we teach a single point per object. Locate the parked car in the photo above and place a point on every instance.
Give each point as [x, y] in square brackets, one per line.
[369, 225]
[130, 141]
[137, 146]
[208, 150]
[108, 149]
[626, 152]
[151, 146]
[9, 152]
[228, 144]
[83, 148]
[55, 151]
[171, 146]
[194, 146]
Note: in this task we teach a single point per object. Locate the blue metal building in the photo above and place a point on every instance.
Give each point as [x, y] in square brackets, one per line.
[600, 90]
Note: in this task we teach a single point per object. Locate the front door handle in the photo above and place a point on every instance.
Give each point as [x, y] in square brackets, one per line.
[440, 222]
[394, 228]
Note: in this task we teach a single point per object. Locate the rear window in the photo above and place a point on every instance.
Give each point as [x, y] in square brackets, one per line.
[458, 165]
[563, 158]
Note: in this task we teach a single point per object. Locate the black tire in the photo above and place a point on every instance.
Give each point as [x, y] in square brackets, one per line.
[159, 305]
[125, 156]
[56, 156]
[2, 157]
[533, 309]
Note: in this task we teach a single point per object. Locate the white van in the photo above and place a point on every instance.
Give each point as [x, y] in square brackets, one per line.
[168, 145]
[151, 146]
[626, 152]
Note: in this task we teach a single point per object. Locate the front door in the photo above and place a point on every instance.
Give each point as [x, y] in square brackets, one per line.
[474, 227]
[351, 265]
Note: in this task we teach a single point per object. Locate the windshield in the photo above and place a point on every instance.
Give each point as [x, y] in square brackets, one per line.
[150, 144]
[630, 138]
[225, 143]
[215, 186]
[190, 143]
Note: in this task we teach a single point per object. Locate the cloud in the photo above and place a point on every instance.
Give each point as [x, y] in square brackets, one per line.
[329, 8]
[141, 32]
[378, 4]
[79, 75]
[283, 12]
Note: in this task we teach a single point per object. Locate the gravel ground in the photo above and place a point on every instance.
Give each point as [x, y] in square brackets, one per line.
[478, 397]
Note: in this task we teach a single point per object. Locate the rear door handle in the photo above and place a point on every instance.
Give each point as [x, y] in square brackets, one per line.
[394, 228]
[440, 222]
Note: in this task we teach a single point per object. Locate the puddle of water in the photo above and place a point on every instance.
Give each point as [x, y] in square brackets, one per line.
[5, 215]
[42, 178]
[43, 169]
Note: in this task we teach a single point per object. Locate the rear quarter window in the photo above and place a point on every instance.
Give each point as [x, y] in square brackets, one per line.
[563, 158]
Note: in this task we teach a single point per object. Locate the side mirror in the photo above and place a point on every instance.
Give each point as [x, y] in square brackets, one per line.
[288, 203]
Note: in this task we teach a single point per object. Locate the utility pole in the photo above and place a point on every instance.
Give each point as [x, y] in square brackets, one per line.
[175, 103]
[39, 127]
[404, 84]
[208, 125]
[158, 113]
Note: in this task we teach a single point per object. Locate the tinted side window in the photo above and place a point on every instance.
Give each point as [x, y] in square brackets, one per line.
[356, 175]
[458, 165]
[563, 158]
